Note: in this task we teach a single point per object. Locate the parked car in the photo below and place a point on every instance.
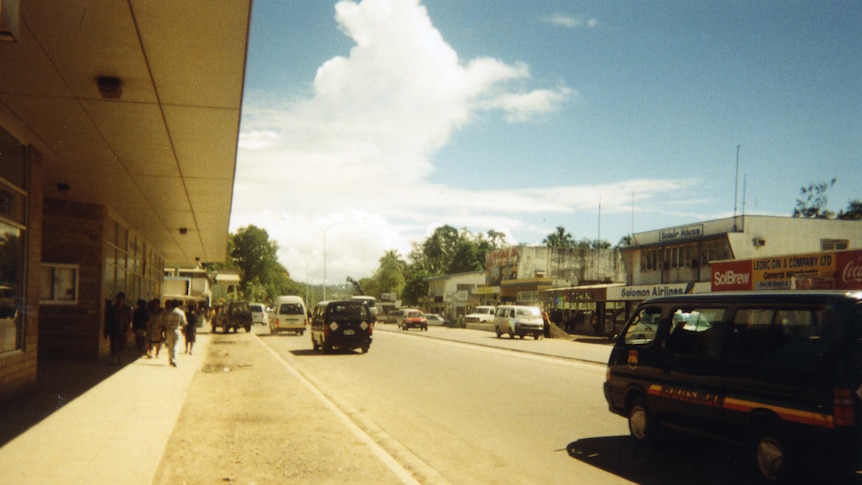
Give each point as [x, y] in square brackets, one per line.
[435, 319]
[775, 372]
[288, 315]
[344, 324]
[480, 314]
[519, 320]
[232, 316]
[414, 319]
[394, 316]
[258, 314]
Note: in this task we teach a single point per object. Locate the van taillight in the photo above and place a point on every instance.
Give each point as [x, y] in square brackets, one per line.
[844, 407]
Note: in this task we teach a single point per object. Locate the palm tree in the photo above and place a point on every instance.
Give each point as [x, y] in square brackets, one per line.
[559, 239]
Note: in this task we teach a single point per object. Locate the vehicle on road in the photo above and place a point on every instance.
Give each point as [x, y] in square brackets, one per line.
[519, 320]
[344, 324]
[370, 301]
[288, 315]
[779, 373]
[480, 314]
[414, 319]
[394, 316]
[435, 319]
[232, 316]
[258, 314]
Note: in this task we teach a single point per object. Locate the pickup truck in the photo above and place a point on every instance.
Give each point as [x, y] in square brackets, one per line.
[233, 315]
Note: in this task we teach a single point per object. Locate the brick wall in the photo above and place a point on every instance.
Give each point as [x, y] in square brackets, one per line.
[75, 331]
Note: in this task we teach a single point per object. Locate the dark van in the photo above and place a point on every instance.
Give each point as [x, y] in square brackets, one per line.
[344, 324]
[776, 372]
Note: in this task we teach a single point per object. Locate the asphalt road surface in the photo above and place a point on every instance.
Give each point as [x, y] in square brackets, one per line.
[462, 413]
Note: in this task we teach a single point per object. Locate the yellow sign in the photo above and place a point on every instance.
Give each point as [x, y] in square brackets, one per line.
[778, 272]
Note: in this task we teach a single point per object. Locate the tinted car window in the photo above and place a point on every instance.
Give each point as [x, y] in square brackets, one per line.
[769, 335]
[643, 327]
[290, 309]
[348, 310]
[697, 332]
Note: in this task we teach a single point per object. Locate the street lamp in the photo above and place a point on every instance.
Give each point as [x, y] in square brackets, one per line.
[324, 231]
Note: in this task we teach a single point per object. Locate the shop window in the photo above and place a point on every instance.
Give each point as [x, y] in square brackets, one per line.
[59, 284]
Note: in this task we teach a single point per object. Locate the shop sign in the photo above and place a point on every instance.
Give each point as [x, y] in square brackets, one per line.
[848, 274]
[643, 292]
[687, 232]
[487, 290]
[732, 275]
[782, 272]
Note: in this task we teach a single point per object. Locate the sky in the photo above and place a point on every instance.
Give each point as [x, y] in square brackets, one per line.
[366, 125]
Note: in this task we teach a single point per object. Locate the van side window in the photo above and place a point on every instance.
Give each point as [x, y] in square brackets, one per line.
[777, 334]
[697, 332]
[643, 327]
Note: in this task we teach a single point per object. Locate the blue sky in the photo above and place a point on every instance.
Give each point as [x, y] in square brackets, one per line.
[368, 124]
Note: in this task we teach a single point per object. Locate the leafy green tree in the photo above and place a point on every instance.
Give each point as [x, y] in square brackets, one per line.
[262, 277]
[390, 275]
[465, 258]
[626, 241]
[853, 212]
[559, 239]
[415, 288]
[813, 201]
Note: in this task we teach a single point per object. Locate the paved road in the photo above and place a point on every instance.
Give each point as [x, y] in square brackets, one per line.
[460, 406]
[465, 413]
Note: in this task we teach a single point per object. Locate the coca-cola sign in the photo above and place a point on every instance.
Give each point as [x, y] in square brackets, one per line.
[848, 270]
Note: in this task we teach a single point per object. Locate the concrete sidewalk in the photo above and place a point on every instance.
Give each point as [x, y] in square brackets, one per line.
[115, 432]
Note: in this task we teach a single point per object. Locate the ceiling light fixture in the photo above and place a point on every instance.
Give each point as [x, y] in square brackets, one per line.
[110, 87]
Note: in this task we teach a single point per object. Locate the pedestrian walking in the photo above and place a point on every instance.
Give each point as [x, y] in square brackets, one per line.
[117, 323]
[140, 318]
[547, 324]
[175, 322]
[155, 328]
[190, 332]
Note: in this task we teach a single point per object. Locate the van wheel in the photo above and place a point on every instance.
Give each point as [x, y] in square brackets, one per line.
[641, 424]
[327, 348]
[364, 349]
[771, 454]
[497, 330]
[511, 334]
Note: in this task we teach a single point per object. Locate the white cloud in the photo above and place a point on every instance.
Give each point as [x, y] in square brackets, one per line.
[351, 161]
[570, 21]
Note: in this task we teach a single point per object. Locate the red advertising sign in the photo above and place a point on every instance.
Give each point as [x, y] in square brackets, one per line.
[732, 275]
[848, 270]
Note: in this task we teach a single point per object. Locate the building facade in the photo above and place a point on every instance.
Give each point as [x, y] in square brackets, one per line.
[454, 295]
[118, 144]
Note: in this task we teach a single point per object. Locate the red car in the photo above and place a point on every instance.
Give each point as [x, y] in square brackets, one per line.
[414, 319]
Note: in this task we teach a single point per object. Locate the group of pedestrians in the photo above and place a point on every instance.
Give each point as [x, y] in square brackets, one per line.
[152, 327]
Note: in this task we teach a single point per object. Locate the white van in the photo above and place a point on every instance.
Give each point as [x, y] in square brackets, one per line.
[519, 320]
[288, 315]
[258, 314]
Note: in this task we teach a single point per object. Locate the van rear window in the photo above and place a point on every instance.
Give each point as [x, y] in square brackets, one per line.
[290, 309]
